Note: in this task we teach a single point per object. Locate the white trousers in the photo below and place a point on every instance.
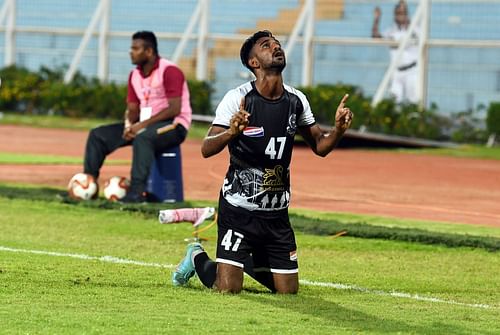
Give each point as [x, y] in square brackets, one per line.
[404, 85]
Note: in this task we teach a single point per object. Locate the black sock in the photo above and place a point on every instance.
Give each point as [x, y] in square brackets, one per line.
[206, 269]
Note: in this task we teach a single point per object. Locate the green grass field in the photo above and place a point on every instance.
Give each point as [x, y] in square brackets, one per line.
[100, 268]
[72, 268]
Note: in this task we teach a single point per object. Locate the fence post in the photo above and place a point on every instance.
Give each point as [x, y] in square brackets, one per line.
[10, 37]
[103, 58]
[308, 46]
[85, 40]
[423, 60]
[202, 53]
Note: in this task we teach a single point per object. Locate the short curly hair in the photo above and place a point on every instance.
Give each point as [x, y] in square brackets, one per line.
[247, 46]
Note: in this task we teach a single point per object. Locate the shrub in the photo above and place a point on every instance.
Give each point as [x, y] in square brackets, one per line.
[386, 117]
[468, 128]
[200, 95]
[45, 92]
[406, 120]
[324, 100]
[493, 118]
[20, 89]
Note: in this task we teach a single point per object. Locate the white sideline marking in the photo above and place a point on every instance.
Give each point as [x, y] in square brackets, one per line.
[116, 260]
[106, 259]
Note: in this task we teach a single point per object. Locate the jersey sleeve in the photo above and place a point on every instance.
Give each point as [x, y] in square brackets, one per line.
[306, 118]
[173, 81]
[229, 105]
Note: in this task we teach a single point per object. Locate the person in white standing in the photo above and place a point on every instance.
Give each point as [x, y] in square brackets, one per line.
[405, 78]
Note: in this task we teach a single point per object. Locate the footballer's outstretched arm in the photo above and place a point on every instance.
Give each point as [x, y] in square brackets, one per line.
[322, 142]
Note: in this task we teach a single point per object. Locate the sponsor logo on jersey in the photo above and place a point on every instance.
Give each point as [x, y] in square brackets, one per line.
[293, 255]
[254, 131]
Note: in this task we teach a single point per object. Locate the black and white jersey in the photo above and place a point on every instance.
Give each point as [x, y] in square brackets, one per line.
[258, 178]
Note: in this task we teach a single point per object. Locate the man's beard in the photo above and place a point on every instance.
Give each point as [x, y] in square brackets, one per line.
[139, 62]
[278, 66]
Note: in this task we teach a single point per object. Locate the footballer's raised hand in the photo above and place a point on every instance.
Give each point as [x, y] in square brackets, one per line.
[343, 116]
[239, 121]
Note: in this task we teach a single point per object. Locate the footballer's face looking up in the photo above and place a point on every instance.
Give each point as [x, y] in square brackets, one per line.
[267, 54]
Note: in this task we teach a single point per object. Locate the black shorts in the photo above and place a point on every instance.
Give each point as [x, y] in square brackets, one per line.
[270, 241]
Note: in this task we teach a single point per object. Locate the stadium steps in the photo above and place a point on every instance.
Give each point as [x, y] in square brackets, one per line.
[282, 24]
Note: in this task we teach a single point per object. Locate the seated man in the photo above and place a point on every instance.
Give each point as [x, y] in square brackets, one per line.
[158, 116]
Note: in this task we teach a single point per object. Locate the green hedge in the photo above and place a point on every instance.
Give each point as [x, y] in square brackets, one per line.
[493, 118]
[386, 117]
[323, 227]
[413, 235]
[44, 92]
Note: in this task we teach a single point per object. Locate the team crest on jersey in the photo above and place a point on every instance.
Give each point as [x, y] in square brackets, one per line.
[273, 179]
[292, 125]
[254, 131]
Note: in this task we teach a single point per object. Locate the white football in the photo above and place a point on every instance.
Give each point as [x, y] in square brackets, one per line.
[82, 186]
[116, 188]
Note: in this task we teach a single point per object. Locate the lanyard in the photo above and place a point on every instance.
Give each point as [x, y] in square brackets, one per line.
[146, 89]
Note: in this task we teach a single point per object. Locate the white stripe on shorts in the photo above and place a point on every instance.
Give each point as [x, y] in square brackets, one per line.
[264, 269]
[227, 261]
[284, 271]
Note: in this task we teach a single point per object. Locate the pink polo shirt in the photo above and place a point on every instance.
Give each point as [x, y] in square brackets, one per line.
[165, 81]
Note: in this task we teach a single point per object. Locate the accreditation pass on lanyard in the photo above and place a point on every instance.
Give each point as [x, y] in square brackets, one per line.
[146, 110]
